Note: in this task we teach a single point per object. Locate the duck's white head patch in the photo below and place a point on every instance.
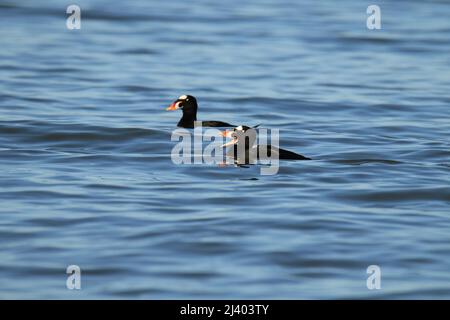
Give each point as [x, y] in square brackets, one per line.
[240, 128]
[183, 97]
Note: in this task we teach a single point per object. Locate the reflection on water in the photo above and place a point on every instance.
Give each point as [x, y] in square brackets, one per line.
[87, 179]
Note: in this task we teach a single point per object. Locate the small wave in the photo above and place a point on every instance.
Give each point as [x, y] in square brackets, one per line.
[109, 16]
[280, 103]
[60, 221]
[138, 51]
[8, 5]
[138, 88]
[89, 14]
[138, 292]
[365, 161]
[429, 153]
[378, 39]
[38, 100]
[37, 195]
[397, 195]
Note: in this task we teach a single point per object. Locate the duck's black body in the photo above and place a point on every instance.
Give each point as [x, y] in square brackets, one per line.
[188, 104]
[282, 154]
[258, 152]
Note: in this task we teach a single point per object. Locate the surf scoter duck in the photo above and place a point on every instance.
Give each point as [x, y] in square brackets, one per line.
[246, 135]
[188, 104]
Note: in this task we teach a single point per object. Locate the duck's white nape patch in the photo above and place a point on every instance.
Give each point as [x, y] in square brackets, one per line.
[183, 97]
[240, 128]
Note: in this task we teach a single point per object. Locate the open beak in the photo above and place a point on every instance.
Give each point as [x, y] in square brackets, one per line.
[174, 106]
[227, 134]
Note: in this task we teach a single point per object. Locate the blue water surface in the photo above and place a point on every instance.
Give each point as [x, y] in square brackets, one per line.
[86, 176]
